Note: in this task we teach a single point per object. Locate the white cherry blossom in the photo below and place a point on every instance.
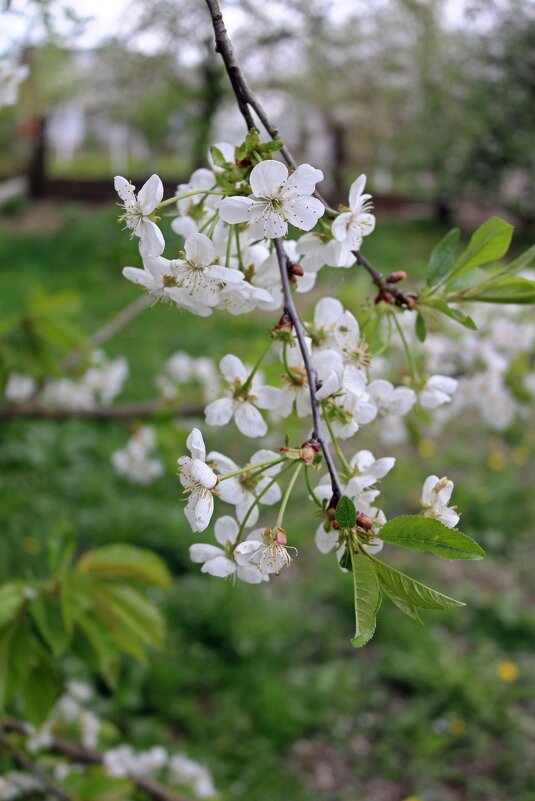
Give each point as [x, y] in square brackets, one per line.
[243, 400]
[350, 227]
[317, 252]
[436, 494]
[19, 387]
[437, 391]
[194, 283]
[216, 561]
[137, 211]
[267, 549]
[277, 199]
[198, 479]
[136, 461]
[367, 470]
[391, 399]
[328, 368]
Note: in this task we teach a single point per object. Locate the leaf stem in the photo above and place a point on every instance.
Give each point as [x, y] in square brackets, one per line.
[410, 357]
[287, 494]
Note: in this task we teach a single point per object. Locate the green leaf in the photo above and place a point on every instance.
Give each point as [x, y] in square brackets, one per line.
[346, 514]
[217, 157]
[440, 305]
[11, 600]
[273, 146]
[47, 616]
[367, 596]
[103, 655]
[420, 327]
[426, 534]
[411, 592]
[506, 290]
[135, 622]
[94, 785]
[6, 638]
[128, 562]
[490, 242]
[39, 691]
[443, 257]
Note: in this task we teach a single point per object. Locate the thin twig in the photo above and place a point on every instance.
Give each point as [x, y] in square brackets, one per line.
[81, 755]
[108, 330]
[123, 411]
[289, 307]
[29, 766]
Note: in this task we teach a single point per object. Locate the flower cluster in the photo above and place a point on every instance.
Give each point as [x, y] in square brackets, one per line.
[320, 370]
[228, 219]
[74, 716]
[136, 461]
[100, 384]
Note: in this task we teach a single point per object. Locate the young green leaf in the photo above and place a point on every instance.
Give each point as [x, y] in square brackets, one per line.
[11, 599]
[426, 534]
[367, 596]
[420, 327]
[506, 290]
[47, 616]
[443, 257]
[346, 514]
[490, 242]
[411, 592]
[440, 305]
[127, 562]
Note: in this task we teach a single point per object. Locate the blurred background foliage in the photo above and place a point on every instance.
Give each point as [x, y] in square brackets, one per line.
[433, 99]
[262, 684]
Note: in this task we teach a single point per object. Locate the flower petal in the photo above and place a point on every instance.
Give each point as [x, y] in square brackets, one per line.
[233, 369]
[221, 567]
[356, 190]
[226, 529]
[203, 551]
[219, 412]
[199, 509]
[234, 210]
[303, 180]
[303, 212]
[249, 421]
[150, 195]
[195, 445]
[267, 178]
[199, 249]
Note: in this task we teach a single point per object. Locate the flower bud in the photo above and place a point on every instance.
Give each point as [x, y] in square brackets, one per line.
[394, 278]
[364, 521]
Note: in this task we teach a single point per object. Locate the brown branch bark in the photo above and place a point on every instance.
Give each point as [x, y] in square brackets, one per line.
[26, 763]
[317, 432]
[122, 412]
[80, 754]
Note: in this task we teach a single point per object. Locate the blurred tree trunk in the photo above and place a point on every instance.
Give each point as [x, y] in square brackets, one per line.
[337, 134]
[38, 161]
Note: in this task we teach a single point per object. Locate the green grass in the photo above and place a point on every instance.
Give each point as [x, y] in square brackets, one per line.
[262, 683]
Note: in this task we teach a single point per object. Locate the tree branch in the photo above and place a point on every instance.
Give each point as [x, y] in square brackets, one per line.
[122, 412]
[289, 307]
[80, 754]
[108, 330]
[25, 762]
